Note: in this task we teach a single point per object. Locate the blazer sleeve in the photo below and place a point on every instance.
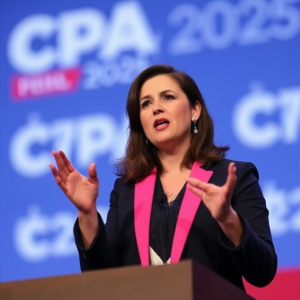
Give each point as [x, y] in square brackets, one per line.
[104, 252]
[255, 257]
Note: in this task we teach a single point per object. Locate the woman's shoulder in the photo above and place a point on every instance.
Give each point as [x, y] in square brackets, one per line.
[121, 183]
[242, 167]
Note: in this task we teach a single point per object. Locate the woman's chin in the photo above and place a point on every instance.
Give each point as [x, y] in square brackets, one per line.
[169, 145]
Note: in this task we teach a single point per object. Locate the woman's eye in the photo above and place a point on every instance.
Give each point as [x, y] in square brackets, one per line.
[145, 103]
[169, 97]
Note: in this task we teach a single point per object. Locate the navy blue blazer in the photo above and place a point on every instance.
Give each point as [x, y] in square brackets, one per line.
[254, 259]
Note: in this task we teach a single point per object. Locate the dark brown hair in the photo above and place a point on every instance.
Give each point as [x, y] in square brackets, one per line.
[141, 157]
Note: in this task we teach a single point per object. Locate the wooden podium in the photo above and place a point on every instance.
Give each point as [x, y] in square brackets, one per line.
[184, 281]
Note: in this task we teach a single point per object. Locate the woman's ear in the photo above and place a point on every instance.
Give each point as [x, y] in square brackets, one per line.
[196, 111]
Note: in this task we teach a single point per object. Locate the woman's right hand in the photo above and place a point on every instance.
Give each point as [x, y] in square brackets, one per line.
[82, 191]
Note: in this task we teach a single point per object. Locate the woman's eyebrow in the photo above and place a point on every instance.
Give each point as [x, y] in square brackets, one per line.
[145, 97]
[161, 93]
[166, 91]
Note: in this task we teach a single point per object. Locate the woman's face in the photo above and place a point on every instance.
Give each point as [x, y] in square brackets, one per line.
[166, 113]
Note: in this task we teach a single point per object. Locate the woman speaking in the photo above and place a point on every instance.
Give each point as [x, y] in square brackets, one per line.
[177, 196]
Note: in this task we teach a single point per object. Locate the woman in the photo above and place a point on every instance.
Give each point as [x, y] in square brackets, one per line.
[177, 196]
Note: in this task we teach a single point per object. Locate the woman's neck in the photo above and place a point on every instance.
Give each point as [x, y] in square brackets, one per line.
[171, 161]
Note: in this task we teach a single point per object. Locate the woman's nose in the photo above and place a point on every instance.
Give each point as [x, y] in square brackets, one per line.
[157, 108]
[157, 111]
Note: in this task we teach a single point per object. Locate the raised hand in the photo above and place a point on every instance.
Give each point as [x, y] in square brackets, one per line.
[82, 191]
[217, 199]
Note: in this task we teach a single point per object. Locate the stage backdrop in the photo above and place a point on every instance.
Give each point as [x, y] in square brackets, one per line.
[66, 67]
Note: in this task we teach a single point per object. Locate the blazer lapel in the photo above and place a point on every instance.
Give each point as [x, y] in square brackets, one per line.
[189, 207]
[143, 196]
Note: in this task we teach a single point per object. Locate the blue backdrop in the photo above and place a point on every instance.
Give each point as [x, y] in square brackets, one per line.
[66, 67]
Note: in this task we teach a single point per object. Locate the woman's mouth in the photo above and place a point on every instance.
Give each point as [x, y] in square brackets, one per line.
[160, 124]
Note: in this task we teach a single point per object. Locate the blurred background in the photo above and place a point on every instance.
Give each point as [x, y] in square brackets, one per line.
[66, 68]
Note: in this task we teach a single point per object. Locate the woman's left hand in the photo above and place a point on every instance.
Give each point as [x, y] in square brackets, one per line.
[216, 198]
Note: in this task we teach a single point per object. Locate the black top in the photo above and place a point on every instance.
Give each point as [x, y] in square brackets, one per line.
[163, 220]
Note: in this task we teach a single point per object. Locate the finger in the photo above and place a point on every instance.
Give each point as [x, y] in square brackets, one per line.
[231, 177]
[58, 179]
[60, 163]
[63, 186]
[58, 171]
[198, 184]
[66, 161]
[92, 172]
[56, 174]
[196, 191]
[54, 171]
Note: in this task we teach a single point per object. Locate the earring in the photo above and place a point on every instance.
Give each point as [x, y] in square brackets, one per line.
[146, 141]
[195, 126]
